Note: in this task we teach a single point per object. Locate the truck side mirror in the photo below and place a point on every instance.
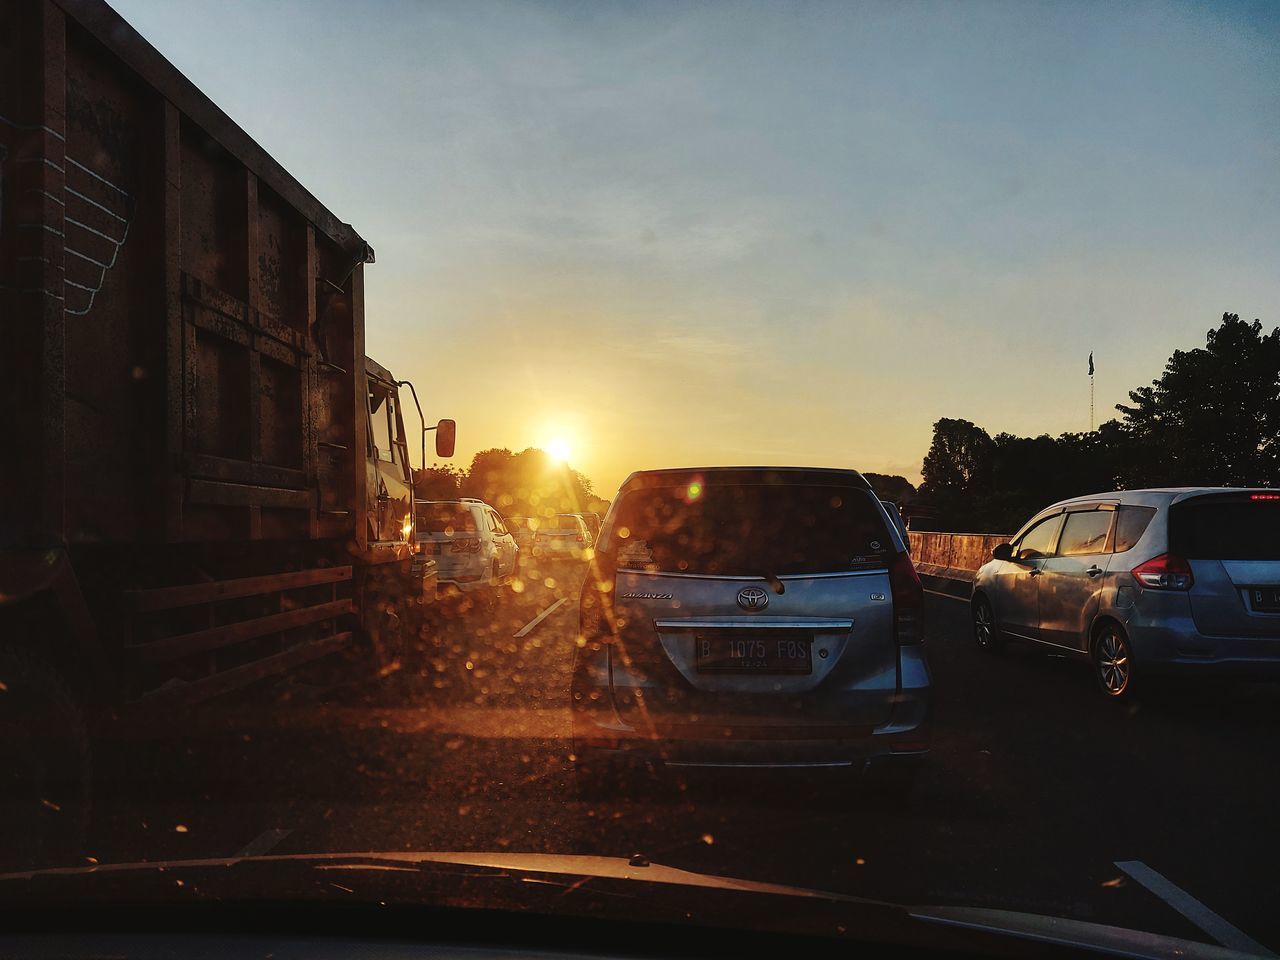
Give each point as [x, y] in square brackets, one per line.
[446, 438]
[1002, 551]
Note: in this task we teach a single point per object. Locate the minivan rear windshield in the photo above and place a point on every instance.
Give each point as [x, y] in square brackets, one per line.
[561, 523]
[1238, 528]
[749, 529]
[446, 518]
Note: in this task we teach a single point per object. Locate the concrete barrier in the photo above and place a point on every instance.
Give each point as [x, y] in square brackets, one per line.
[952, 557]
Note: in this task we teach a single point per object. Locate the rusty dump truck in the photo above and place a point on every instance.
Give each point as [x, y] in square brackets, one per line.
[205, 481]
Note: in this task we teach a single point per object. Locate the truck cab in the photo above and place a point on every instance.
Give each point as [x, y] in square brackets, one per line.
[398, 577]
[388, 495]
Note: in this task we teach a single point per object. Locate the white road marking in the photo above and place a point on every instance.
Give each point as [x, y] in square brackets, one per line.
[263, 843]
[532, 625]
[949, 596]
[1193, 909]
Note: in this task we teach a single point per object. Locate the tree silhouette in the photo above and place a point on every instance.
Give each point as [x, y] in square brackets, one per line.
[1213, 417]
[894, 488]
[528, 483]
[437, 482]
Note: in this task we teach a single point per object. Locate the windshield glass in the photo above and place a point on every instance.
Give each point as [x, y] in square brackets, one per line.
[561, 524]
[1235, 529]
[748, 529]
[884, 398]
[449, 518]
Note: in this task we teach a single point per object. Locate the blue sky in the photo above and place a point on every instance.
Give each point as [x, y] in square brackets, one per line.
[680, 233]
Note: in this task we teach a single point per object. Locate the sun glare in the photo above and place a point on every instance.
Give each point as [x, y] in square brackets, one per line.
[558, 448]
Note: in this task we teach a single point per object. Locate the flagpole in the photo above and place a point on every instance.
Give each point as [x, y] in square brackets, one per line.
[1091, 420]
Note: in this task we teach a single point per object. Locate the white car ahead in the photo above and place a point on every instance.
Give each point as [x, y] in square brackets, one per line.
[469, 541]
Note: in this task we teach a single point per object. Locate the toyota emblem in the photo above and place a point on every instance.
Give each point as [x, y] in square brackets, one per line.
[752, 598]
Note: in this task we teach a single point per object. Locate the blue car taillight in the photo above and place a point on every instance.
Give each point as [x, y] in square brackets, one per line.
[1165, 572]
[596, 622]
[908, 600]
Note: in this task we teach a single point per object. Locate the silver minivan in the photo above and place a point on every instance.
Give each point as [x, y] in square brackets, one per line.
[749, 617]
[563, 537]
[1143, 581]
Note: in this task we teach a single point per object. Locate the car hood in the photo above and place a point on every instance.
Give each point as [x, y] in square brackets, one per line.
[554, 884]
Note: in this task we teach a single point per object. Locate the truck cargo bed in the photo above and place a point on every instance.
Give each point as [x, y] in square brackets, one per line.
[183, 321]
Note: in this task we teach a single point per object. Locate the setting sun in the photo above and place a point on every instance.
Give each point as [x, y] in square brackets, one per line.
[558, 448]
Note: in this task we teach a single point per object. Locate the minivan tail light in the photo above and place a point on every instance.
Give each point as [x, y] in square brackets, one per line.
[595, 608]
[1165, 572]
[908, 600]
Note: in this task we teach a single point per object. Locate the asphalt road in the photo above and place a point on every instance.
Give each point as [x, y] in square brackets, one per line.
[1036, 787]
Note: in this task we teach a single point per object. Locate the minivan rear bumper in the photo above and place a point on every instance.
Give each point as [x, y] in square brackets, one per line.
[450, 585]
[746, 742]
[468, 576]
[556, 548]
[1174, 645]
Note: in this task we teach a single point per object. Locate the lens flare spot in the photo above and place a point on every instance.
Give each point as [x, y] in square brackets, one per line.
[693, 490]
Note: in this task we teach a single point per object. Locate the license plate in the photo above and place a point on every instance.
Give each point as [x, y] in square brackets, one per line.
[1266, 599]
[753, 652]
